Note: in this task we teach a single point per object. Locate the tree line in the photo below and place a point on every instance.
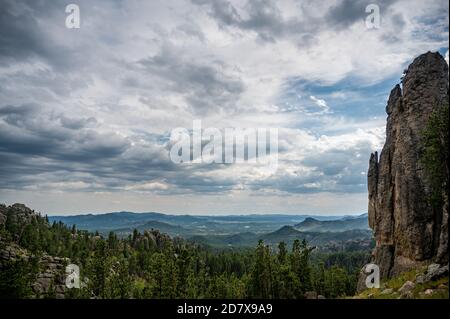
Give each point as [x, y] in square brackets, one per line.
[153, 265]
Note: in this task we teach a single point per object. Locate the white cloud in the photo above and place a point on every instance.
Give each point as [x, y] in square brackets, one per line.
[141, 68]
[320, 103]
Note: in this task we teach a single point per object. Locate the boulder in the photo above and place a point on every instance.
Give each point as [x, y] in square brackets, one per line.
[435, 271]
[420, 279]
[387, 291]
[433, 268]
[407, 287]
[428, 292]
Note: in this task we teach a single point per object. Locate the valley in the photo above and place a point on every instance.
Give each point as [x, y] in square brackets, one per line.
[235, 231]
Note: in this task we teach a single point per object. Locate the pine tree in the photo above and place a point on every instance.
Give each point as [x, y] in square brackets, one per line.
[261, 280]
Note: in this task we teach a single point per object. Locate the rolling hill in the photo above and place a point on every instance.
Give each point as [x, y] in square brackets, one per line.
[347, 223]
[287, 234]
[230, 230]
[169, 229]
[195, 224]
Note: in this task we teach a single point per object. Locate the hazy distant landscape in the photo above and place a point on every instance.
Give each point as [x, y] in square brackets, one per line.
[231, 230]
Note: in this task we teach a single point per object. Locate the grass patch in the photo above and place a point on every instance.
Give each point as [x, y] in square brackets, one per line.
[418, 292]
[397, 282]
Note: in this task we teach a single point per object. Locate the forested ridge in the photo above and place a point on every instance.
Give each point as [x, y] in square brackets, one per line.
[150, 264]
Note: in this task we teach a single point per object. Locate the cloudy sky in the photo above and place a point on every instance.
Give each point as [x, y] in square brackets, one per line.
[86, 114]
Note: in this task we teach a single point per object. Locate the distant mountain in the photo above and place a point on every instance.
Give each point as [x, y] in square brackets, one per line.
[311, 224]
[192, 224]
[171, 230]
[230, 230]
[118, 220]
[287, 234]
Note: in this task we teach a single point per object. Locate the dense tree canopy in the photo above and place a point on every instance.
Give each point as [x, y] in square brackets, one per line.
[152, 265]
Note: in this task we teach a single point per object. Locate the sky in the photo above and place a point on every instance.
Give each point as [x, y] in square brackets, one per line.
[86, 113]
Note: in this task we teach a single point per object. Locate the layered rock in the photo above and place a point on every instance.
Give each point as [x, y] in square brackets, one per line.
[51, 276]
[408, 231]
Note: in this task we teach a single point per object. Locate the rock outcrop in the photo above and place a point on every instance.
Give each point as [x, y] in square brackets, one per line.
[51, 276]
[51, 271]
[408, 231]
[18, 214]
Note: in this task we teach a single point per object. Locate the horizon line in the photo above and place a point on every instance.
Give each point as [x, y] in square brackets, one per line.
[205, 215]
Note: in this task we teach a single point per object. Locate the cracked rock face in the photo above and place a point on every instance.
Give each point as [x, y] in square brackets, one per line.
[407, 230]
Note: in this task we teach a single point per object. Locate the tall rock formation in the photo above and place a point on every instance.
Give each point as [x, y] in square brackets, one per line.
[407, 230]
